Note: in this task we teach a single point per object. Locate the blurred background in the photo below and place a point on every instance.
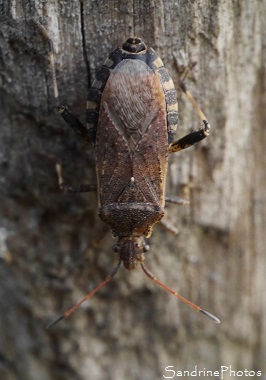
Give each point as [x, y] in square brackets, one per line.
[49, 256]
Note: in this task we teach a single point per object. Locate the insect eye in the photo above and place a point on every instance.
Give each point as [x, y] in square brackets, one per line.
[146, 247]
[115, 248]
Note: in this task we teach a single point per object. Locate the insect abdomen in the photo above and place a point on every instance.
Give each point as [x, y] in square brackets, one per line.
[135, 49]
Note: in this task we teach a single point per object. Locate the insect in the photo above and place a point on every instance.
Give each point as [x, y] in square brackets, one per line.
[132, 117]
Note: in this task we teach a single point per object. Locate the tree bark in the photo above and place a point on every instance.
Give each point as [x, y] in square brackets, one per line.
[132, 329]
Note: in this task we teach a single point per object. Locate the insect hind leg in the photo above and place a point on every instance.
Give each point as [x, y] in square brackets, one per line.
[195, 136]
[63, 111]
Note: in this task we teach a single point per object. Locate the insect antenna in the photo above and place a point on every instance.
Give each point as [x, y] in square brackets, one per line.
[189, 303]
[89, 295]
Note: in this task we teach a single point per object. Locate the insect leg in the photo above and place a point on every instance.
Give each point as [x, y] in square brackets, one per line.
[63, 111]
[100, 236]
[72, 189]
[176, 200]
[168, 225]
[196, 136]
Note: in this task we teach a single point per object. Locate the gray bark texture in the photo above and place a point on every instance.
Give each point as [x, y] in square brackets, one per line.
[49, 259]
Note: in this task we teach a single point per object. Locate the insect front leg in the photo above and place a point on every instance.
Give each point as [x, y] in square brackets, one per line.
[196, 136]
[176, 200]
[168, 225]
[63, 111]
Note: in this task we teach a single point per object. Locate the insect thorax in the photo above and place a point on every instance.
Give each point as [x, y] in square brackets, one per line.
[131, 219]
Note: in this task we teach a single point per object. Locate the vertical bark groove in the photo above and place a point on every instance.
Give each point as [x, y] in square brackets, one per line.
[83, 32]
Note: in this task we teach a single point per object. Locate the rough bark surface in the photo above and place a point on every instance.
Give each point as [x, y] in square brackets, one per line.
[132, 329]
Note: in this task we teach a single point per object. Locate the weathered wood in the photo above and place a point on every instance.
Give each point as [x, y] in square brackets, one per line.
[49, 259]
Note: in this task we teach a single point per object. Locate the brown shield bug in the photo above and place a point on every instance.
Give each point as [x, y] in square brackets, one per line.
[132, 118]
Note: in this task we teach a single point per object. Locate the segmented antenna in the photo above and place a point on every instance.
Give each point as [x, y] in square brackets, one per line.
[148, 274]
[89, 295]
[189, 303]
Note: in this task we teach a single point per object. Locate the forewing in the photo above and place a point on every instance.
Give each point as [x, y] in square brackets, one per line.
[113, 161]
[150, 159]
[132, 133]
